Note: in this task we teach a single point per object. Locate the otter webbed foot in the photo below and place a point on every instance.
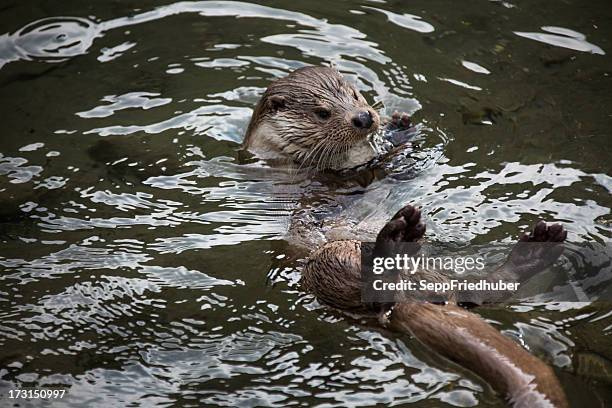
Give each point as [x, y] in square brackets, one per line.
[405, 226]
[536, 250]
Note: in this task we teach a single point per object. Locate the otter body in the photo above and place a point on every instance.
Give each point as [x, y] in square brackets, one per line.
[313, 118]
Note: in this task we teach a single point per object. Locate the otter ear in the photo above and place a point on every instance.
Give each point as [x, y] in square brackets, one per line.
[276, 102]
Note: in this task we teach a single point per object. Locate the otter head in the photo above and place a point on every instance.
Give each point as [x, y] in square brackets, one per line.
[314, 117]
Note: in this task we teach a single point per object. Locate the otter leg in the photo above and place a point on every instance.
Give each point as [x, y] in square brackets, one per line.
[535, 251]
[405, 226]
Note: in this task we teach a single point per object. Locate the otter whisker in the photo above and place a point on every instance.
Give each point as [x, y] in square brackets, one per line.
[346, 149]
[320, 154]
[309, 158]
[311, 155]
[337, 152]
[378, 105]
[331, 157]
[316, 151]
[326, 156]
[342, 152]
[338, 157]
[322, 157]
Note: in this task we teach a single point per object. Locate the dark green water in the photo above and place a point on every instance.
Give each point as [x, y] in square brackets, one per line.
[137, 256]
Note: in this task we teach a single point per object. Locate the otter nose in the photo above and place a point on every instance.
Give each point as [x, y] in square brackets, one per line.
[362, 120]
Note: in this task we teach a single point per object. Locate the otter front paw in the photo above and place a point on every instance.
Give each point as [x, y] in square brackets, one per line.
[405, 226]
[537, 249]
[399, 121]
[399, 130]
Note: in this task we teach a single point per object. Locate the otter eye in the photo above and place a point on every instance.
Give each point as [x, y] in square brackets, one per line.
[322, 113]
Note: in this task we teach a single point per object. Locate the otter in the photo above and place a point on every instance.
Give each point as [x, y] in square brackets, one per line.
[314, 118]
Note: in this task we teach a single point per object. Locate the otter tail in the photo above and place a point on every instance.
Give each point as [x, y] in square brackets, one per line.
[469, 341]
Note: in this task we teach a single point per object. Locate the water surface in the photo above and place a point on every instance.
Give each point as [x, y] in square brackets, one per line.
[142, 264]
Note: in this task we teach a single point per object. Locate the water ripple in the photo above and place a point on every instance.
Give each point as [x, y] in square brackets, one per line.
[144, 100]
[142, 255]
[52, 39]
[563, 37]
[409, 21]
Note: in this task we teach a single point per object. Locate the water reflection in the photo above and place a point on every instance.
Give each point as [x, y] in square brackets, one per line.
[563, 37]
[14, 169]
[136, 242]
[408, 21]
[142, 100]
[472, 66]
